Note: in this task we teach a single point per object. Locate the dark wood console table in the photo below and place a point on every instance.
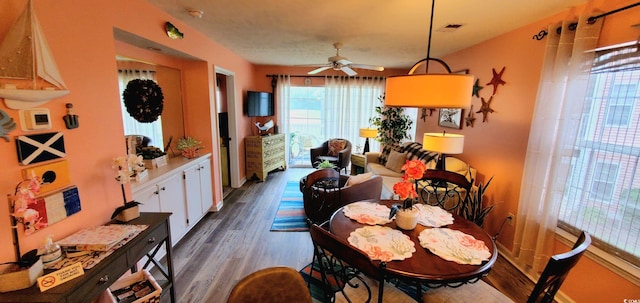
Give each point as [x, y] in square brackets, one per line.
[97, 279]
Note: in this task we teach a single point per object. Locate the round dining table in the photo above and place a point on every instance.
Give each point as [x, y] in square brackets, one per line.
[423, 266]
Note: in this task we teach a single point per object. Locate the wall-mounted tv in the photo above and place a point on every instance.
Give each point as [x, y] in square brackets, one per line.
[259, 104]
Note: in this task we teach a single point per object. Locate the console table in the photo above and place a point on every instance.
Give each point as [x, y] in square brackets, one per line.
[97, 279]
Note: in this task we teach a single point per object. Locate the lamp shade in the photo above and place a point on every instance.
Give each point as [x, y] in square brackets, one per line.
[443, 143]
[429, 90]
[368, 132]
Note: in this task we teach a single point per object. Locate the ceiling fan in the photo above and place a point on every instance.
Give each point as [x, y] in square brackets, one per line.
[338, 62]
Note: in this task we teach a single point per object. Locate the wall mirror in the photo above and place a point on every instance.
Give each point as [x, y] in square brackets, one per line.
[169, 126]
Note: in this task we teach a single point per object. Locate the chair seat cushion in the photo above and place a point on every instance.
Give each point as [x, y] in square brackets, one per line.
[479, 292]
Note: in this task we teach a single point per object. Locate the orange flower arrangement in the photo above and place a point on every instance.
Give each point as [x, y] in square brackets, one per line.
[405, 189]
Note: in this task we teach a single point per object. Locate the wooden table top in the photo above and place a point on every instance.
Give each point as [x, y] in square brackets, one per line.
[423, 265]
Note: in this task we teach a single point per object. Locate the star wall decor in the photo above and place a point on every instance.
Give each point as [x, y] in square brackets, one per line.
[469, 120]
[424, 114]
[476, 88]
[485, 109]
[496, 80]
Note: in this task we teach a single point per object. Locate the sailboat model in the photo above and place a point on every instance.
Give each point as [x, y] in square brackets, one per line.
[26, 60]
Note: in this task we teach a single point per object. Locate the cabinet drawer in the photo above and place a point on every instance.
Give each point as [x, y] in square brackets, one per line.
[146, 244]
[96, 284]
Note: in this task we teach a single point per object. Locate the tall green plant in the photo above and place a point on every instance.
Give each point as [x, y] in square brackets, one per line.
[474, 211]
[392, 124]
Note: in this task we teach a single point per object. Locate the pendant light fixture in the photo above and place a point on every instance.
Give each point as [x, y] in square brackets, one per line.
[429, 90]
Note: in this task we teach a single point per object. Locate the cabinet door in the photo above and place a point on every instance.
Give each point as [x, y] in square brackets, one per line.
[172, 200]
[206, 189]
[192, 193]
[149, 197]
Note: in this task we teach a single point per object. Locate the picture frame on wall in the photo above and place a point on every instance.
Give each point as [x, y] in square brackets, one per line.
[450, 117]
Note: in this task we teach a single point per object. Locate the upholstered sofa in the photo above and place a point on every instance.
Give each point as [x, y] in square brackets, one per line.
[387, 164]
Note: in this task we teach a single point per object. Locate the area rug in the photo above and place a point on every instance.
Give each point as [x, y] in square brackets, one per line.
[290, 215]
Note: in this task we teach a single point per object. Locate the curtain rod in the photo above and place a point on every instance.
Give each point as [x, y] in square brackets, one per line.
[318, 76]
[591, 20]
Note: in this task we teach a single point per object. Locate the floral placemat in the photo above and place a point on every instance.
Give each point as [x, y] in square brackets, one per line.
[454, 245]
[367, 213]
[382, 243]
[433, 216]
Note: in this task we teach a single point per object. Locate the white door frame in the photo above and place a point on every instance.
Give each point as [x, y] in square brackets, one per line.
[234, 161]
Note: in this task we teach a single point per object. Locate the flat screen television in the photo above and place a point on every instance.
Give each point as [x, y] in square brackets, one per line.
[259, 104]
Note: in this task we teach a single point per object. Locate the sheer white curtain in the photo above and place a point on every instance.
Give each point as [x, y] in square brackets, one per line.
[556, 120]
[349, 103]
[131, 126]
[283, 89]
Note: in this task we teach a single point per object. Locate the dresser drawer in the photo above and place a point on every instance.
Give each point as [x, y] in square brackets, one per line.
[145, 244]
[96, 284]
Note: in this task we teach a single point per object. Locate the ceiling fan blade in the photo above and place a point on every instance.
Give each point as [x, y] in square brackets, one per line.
[320, 69]
[342, 61]
[366, 66]
[347, 70]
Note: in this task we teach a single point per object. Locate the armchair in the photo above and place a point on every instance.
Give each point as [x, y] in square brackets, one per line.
[336, 151]
[326, 190]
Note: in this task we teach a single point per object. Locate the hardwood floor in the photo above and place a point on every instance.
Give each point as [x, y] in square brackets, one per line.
[234, 242]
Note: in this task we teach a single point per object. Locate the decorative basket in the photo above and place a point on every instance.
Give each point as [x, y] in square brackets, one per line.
[190, 153]
[11, 280]
[140, 286]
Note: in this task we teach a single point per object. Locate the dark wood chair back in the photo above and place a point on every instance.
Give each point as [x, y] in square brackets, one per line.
[557, 270]
[271, 285]
[341, 262]
[445, 189]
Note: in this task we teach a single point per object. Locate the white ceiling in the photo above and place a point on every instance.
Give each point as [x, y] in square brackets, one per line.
[390, 33]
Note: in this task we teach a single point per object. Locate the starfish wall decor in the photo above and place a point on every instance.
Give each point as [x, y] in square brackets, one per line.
[469, 120]
[424, 114]
[476, 88]
[496, 80]
[485, 109]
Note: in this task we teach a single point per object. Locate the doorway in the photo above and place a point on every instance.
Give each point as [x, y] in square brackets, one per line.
[229, 161]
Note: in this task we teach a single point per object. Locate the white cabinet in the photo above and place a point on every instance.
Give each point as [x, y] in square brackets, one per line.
[198, 192]
[166, 195]
[182, 188]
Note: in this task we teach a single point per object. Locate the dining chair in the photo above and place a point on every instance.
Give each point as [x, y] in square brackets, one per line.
[446, 189]
[271, 285]
[349, 271]
[544, 291]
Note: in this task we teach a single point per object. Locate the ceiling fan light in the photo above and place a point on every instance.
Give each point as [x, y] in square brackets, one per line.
[429, 91]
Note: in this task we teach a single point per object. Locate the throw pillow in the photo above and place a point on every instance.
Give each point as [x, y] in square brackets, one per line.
[386, 150]
[335, 146]
[396, 161]
[357, 179]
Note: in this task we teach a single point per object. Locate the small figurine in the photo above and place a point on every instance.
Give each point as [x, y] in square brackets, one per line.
[71, 119]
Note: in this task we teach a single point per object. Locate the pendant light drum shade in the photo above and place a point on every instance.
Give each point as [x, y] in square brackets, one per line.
[429, 90]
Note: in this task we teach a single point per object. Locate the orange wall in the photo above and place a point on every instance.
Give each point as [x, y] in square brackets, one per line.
[498, 147]
[84, 49]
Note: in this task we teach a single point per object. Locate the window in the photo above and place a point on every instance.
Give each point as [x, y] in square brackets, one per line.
[305, 120]
[602, 193]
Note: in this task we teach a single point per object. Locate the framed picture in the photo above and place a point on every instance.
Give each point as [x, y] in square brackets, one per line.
[450, 117]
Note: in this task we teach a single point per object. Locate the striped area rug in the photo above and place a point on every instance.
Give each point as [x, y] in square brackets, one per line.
[290, 215]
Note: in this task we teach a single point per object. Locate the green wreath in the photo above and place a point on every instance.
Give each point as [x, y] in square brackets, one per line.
[143, 100]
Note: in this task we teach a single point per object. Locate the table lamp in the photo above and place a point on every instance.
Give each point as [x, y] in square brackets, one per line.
[367, 133]
[443, 144]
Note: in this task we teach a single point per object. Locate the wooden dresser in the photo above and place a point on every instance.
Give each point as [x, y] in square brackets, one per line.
[264, 154]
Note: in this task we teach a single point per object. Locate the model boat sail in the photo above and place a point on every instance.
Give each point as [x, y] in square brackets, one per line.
[28, 73]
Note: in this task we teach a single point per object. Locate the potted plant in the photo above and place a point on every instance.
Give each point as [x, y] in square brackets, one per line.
[392, 124]
[475, 211]
[406, 215]
[325, 164]
[189, 147]
[128, 168]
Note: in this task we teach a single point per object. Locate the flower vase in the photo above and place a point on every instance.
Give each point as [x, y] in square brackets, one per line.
[190, 153]
[407, 219]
